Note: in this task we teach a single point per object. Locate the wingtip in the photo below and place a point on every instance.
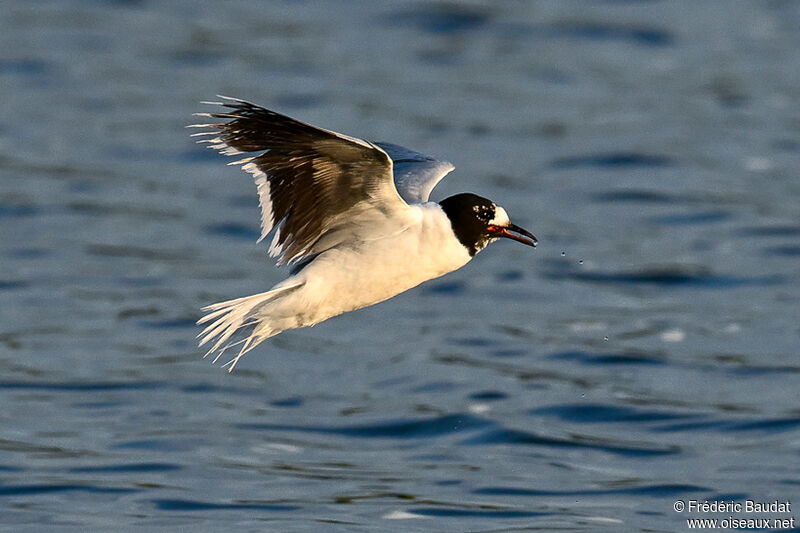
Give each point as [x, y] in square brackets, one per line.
[232, 99]
[222, 97]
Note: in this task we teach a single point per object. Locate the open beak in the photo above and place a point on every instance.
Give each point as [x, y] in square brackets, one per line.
[521, 235]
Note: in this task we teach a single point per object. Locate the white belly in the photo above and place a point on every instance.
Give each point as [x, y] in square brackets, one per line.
[343, 279]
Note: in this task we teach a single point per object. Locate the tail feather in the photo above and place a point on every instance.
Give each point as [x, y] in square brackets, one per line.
[237, 318]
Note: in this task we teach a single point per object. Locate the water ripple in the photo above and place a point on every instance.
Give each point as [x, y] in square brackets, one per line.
[764, 425]
[21, 490]
[446, 288]
[86, 386]
[632, 358]
[691, 219]
[9, 285]
[488, 396]
[613, 160]
[594, 31]
[771, 231]
[24, 67]
[600, 413]
[17, 210]
[234, 230]
[397, 429]
[169, 323]
[635, 196]
[292, 401]
[528, 438]
[784, 251]
[103, 210]
[474, 513]
[677, 276]
[192, 505]
[441, 18]
[655, 491]
[138, 252]
[127, 468]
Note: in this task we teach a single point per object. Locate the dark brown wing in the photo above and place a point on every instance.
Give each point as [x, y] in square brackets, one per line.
[311, 181]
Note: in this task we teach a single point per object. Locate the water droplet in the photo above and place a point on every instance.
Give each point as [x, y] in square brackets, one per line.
[605, 338]
[563, 253]
[580, 262]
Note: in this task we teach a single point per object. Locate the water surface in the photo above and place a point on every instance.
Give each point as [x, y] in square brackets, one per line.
[645, 352]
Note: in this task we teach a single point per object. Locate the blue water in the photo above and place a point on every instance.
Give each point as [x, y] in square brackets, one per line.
[646, 352]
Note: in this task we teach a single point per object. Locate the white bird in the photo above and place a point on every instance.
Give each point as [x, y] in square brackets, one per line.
[352, 217]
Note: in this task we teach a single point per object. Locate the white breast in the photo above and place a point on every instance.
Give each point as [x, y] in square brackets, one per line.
[344, 279]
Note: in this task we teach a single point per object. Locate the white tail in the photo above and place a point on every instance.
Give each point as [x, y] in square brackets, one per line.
[228, 318]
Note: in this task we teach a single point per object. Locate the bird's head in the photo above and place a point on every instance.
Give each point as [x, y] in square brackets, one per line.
[477, 221]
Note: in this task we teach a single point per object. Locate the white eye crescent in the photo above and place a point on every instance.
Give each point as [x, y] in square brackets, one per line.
[500, 217]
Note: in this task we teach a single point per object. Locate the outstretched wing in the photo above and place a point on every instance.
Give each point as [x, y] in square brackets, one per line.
[313, 184]
[415, 174]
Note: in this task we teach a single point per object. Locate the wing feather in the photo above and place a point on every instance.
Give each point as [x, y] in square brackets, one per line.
[310, 181]
[415, 174]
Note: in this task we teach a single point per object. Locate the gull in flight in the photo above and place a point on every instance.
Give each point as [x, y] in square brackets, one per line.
[350, 217]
